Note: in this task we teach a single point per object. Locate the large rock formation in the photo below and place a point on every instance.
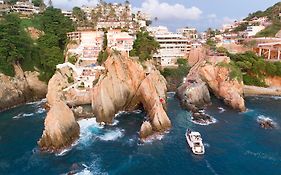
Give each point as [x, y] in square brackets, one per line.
[61, 129]
[125, 87]
[208, 74]
[218, 79]
[22, 88]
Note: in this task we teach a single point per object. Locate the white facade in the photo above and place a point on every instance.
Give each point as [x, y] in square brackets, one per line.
[253, 30]
[68, 14]
[172, 46]
[120, 41]
[190, 33]
[26, 8]
[90, 43]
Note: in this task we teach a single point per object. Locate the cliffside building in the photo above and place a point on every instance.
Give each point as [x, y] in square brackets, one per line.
[270, 51]
[253, 30]
[172, 46]
[25, 8]
[121, 41]
[89, 44]
[190, 33]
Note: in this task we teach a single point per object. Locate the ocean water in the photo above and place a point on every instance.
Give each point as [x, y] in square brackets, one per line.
[235, 144]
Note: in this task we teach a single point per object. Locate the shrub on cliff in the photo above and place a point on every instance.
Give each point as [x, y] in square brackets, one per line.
[255, 68]
[144, 46]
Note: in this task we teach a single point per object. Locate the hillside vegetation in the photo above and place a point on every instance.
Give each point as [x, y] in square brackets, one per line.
[17, 47]
[272, 13]
[254, 69]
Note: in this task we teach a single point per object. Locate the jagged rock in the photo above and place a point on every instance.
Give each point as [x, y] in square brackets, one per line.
[207, 75]
[266, 123]
[202, 118]
[146, 130]
[61, 129]
[55, 88]
[124, 87]
[22, 88]
[219, 82]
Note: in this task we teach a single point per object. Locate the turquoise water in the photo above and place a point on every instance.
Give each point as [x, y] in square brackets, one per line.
[235, 144]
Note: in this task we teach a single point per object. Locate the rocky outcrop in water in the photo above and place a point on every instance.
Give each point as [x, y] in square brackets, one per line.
[125, 87]
[23, 87]
[230, 90]
[205, 75]
[61, 128]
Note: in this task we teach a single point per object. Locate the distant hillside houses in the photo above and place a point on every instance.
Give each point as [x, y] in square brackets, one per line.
[112, 15]
[25, 8]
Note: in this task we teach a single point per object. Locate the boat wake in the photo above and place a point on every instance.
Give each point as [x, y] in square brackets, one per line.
[210, 167]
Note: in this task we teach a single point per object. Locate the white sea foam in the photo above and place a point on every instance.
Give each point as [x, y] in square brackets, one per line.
[264, 118]
[90, 130]
[28, 115]
[221, 109]
[40, 111]
[111, 135]
[38, 102]
[171, 95]
[207, 145]
[23, 115]
[206, 123]
[93, 169]
[213, 120]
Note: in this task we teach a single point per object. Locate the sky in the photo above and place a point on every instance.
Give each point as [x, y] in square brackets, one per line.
[174, 14]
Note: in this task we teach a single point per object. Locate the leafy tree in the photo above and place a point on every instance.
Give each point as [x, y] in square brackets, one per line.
[144, 46]
[53, 22]
[38, 3]
[15, 44]
[79, 14]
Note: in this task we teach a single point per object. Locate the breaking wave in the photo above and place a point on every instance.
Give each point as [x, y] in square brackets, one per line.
[261, 118]
[23, 115]
[90, 131]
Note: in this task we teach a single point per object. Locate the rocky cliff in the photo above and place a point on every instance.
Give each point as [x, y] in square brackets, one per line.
[205, 75]
[125, 87]
[22, 88]
[61, 129]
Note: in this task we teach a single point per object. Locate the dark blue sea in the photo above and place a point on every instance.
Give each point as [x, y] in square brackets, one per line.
[235, 144]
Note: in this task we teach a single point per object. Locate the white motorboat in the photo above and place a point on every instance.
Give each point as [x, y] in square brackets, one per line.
[194, 140]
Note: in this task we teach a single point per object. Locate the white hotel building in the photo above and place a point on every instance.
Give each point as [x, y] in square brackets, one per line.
[25, 8]
[120, 41]
[172, 46]
[89, 44]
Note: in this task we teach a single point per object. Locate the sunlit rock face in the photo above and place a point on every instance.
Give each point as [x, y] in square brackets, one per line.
[125, 87]
[61, 129]
[205, 75]
[22, 88]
